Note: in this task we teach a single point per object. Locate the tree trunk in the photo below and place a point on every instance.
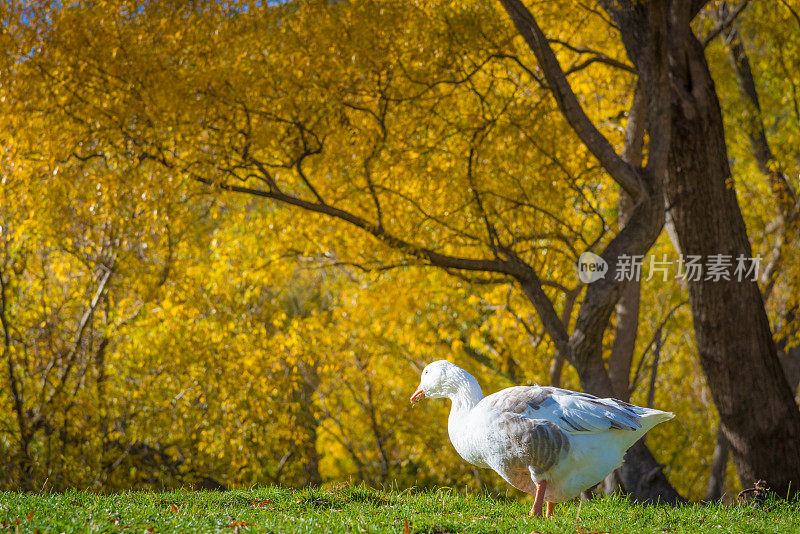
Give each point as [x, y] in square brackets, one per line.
[583, 348]
[790, 361]
[643, 477]
[305, 446]
[627, 326]
[627, 309]
[782, 191]
[758, 414]
[719, 468]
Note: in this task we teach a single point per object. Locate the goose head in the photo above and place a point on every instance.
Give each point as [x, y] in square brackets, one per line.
[442, 379]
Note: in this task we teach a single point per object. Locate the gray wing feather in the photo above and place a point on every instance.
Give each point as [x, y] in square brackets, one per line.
[531, 442]
[572, 411]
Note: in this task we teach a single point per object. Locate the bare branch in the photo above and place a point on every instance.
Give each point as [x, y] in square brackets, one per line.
[781, 189]
[16, 392]
[491, 232]
[658, 329]
[597, 57]
[725, 23]
[79, 332]
[792, 11]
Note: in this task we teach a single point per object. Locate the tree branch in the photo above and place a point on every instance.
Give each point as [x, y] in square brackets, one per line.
[781, 189]
[792, 11]
[660, 99]
[416, 251]
[555, 328]
[620, 171]
[724, 24]
[79, 331]
[597, 57]
[16, 393]
[695, 7]
[627, 307]
[652, 342]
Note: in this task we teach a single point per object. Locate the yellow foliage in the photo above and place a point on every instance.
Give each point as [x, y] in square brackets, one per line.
[229, 340]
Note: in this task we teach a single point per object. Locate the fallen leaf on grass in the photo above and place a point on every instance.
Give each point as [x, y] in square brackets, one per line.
[406, 527]
[261, 504]
[236, 525]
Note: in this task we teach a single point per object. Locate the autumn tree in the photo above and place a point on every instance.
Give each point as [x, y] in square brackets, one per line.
[493, 142]
[760, 130]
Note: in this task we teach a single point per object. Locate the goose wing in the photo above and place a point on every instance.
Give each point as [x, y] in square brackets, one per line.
[573, 412]
[528, 442]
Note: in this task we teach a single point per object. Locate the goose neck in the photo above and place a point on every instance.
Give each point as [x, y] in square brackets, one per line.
[466, 393]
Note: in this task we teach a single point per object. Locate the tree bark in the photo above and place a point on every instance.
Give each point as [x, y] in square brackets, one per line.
[627, 326]
[627, 309]
[790, 361]
[758, 415]
[785, 196]
[557, 365]
[307, 425]
[719, 468]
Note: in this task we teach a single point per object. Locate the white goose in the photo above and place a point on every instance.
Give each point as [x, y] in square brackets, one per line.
[552, 443]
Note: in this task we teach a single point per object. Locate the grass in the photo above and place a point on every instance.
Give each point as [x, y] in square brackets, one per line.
[361, 509]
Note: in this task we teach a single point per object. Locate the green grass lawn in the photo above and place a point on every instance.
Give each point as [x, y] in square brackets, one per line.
[360, 509]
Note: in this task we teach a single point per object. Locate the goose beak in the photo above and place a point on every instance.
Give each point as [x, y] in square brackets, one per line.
[418, 394]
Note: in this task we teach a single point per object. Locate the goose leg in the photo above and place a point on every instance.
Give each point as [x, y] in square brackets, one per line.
[551, 506]
[538, 499]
